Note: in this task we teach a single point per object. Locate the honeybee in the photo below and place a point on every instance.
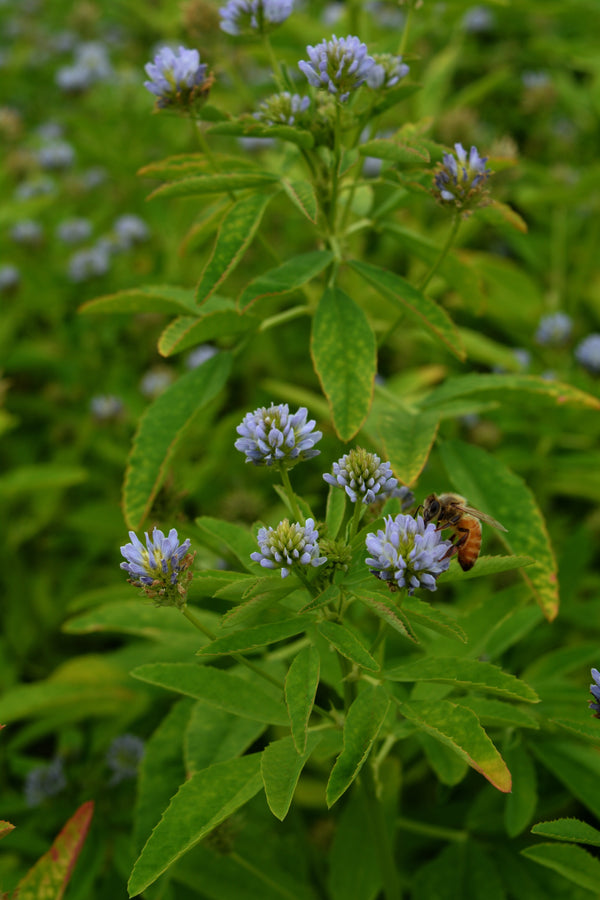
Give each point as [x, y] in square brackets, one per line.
[451, 511]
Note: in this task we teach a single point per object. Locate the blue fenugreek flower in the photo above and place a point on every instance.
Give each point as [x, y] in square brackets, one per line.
[9, 278]
[106, 407]
[408, 553]
[56, 155]
[254, 16]
[74, 231]
[363, 476]
[387, 71]
[339, 65]
[595, 692]
[91, 262]
[288, 545]
[460, 180]
[178, 79]
[554, 330]
[44, 781]
[284, 109]
[162, 568]
[27, 232]
[587, 353]
[123, 757]
[129, 229]
[271, 435]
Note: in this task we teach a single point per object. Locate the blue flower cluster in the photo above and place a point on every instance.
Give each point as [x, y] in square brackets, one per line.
[271, 435]
[460, 179]
[338, 66]
[587, 353]
[283, 109]
[44, 781]
[407, 553]
[554, 330]
[288, 545]
[595, 691]
[254, 16]
[177, 78]
[161, 568]
[363, 476]
[124, 756]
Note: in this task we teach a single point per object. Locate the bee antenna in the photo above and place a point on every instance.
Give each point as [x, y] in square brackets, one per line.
[418, 509]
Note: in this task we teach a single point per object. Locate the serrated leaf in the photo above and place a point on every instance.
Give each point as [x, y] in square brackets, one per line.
[216, 687]
[363, 722]
[488, 485]
[213, 735]
[290, 276]
[159, 430]
[408, 299]
[251, 128]
[522, 801]
[407, 437]
[498, 212]
[39, 477]
[214, 184]
[344, 354]
[163, 298]
[329, 595]
[228, 537]
[573, 863]
[5, 828]
[235, 234]
[348, 644]
[51, 874]
[303, 196]
[422, 613]
[394, 151]
[301, 683]
[500, 387]
[466, 673]
[138, 618]
[265, 593]
[458, 728]
[499, 714]
[486, 565]
[221, 320]
[281, 765]
[386, 609]
[187, 164]
[569, 830]
[248, 639]
[202, 803]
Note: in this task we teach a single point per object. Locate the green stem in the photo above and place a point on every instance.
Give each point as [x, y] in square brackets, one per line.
[274, 62]
[405, 31]
[379, 637]
[287, 484]
[285, 316]
[435, 831]
[336, 171]
[379, 830]
[356, 514]
[443, 252]
[262, 876]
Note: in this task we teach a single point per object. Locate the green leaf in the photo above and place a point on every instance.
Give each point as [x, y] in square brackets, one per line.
[522, 801]
[161, 770]
[5, 828]
[214, 184]
[303, 196]
[251, 128]
[213, 735]
[354, 872]
[281, 765]
[227, 537]
[345, 358]
[290, 276]
[499, 714]
[391, 149]
[301, 683]
[159, 430]
[51, 874]
[447, 765]
[466, 673]
[233, 238]
[363, 722]
[336, 509]
[187, 164]
[569, 830]
[265, 593]
[421, 613]
[161, 298]
[217, 318]
[348, 644]
[500, 387]
[488, 485]
[407, 436]
[409, 299]
[215, 687]
[385, 608]
[459, 728]
[256, 637]
[573, 863]
[39, 477]
[575, 765]
[486, 565]
[202, 803]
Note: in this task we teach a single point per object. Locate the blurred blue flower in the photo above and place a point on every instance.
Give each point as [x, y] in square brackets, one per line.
[56, 155]
[155, 382]
[523, 357]
[27, 232]
[49, 131]
[130, 229]
[177, 78]
[554, 330]
[199, 355]
[284, 109]
[288, 545]
[89, 263]
[10, 278]
[387, 71]
[105, 407]
[478, 19]
[161, 568]
[248, 16]
[73, 79]
[595, 691]
[36, 187]
[44, 781]
[408, 553]
[92, 57]
[74, 231]
[93, 177]
[339, 65]
[587, 353]
[124, 756]
[271, 435]
[460, 179]
[363, 476]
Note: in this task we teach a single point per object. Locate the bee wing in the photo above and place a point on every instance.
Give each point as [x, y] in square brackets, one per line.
[483, 517]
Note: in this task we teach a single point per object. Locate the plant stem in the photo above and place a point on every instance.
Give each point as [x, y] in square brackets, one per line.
[358, 508]
[336, 171]
[287, 484]
[260, 874]
[436, 831]
[383, 845]
[285, 316]
[443, 252]
[405, 31]
[274, 62]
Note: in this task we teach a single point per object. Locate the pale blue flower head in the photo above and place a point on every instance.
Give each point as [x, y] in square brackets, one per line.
[129, 230]
[338, 66]
[124, 757]
[288, 545]
[27, 232]
[460, 179]
[178, 78]
[44, 781]
[56, 155]
[89, 263]
[554, 330]
[595, 692]
[161, 568]
[587, 353]
[407, 553]
[363, 476]
[387, 72]
[74, 231]
[270, 435]
[9, 278]
[106, 407]
[254, 16]
[284, 109]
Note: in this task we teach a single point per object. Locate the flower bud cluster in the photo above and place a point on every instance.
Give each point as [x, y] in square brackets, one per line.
[162, 568]
[254, 16]
[288, 545]
[178, 79]
[460, 180]
[363, 476]
[284, 109]
[387, 72]
[339, 65]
